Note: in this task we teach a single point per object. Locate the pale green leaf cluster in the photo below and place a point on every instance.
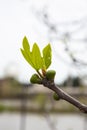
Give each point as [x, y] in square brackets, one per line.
[34, 57]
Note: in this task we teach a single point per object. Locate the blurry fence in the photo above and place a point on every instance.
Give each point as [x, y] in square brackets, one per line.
[37, 99]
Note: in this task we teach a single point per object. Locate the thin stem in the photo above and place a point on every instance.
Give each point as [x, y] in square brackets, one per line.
[40, 74]
[63, 95]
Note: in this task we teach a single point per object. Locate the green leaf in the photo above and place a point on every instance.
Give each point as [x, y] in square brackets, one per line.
[47, 56]
[36, 57]
[26, 45]
[27, 57]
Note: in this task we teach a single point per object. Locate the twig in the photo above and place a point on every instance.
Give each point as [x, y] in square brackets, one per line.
[63, 95]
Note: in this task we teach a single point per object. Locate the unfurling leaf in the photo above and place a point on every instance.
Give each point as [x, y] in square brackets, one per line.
[36, 57]
[47, 56]
[27, 57]
[26, 45]
[32, 57]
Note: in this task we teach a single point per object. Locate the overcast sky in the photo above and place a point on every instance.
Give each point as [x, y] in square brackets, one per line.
[17, 19]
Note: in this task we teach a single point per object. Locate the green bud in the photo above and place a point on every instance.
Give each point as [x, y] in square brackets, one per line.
[50, 74]
[35, 79]
[56, 97]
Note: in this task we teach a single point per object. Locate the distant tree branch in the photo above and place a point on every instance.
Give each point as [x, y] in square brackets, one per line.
[55, 29]
[64, 96]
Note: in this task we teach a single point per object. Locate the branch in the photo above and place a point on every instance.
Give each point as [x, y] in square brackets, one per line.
[64, 96]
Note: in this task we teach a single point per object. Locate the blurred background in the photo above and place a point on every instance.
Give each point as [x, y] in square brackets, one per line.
[63, 24]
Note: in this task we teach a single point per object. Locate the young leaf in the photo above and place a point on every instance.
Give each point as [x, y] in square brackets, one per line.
[26, 45]
[26, 51]
[47, 56]
[27, 57]
[36, 57]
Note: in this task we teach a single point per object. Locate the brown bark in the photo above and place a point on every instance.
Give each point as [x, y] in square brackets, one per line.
[64, 96]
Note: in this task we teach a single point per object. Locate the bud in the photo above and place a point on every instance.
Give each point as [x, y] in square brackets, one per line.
[35, 79]
[50, 74]
[56, 97]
